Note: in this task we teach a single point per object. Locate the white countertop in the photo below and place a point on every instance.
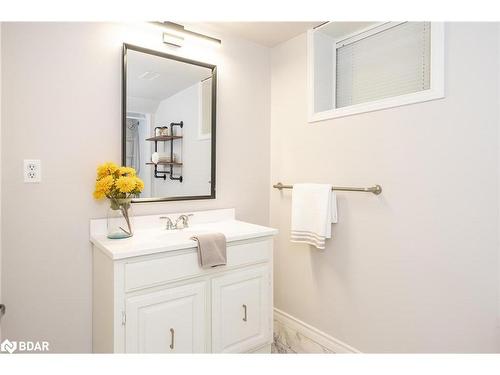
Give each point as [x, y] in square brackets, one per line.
[155, 240]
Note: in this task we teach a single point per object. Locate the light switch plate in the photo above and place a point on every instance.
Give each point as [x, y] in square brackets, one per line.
[32, 171]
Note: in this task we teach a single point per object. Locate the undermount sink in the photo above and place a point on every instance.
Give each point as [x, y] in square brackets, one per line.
[178, 231]
[189, 232]
[175, 235]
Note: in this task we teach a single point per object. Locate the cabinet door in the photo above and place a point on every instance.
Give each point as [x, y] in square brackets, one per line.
[241, 310]
[168, 321]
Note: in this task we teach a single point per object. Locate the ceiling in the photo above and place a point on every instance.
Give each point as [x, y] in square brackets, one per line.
[161, 78]
[342, 29]
[268, 34]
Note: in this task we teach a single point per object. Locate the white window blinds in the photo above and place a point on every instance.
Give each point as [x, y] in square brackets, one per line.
[388, 63]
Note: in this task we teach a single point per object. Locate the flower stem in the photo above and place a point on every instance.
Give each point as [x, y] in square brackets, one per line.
[127, 219]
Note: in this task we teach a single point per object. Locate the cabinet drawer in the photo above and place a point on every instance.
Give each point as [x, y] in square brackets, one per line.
[173, 266]
[241, 310]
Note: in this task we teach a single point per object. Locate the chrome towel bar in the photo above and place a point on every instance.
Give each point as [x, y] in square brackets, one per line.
[377, 189]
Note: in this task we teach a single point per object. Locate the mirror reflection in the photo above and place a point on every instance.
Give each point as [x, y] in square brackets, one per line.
[169, 122]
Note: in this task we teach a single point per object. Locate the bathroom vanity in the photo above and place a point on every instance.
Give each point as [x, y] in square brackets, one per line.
[149, 293]
[151, 296]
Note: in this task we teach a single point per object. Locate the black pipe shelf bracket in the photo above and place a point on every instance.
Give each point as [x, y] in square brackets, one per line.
[170, 138]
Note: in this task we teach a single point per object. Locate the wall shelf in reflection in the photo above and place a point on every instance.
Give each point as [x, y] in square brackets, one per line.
[165, 163]
[163, 138]
[167, 138]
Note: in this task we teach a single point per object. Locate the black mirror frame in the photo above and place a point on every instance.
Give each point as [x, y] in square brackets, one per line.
[127, 47]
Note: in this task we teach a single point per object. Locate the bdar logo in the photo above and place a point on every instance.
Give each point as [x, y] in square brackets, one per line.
[8, 346]
[24, 346]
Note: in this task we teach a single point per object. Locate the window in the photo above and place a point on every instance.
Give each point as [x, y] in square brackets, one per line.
[357, 67]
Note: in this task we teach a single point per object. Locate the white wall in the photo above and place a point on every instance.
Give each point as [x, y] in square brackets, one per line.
[415, 269]
[141, 105]
[193, 153]
[61, 103]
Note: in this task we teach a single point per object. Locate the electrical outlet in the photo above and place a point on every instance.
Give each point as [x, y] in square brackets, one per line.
[32, 171]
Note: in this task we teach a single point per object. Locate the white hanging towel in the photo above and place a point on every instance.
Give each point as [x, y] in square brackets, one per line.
[314, 209]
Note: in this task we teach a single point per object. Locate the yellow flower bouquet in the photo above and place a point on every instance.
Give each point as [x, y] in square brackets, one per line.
[119, 185]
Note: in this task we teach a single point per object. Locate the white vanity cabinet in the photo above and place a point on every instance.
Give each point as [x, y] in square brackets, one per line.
[240, 310]
[153, 297]
[171, 320]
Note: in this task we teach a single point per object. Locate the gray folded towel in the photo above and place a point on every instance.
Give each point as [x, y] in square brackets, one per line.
[211, 249]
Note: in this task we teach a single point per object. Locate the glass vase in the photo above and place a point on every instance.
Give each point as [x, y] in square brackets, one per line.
[119, 219]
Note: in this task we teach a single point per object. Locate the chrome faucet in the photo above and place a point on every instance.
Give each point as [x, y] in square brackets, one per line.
[170, 225]
[181, 222]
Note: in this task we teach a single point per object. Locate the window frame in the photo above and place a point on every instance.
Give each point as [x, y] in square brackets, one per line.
[435, 91]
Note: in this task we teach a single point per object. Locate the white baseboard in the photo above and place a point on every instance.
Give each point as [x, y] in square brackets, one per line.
[311, 334]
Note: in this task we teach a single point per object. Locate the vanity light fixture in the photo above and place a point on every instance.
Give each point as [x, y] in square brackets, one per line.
[173, 40]
[176, 33]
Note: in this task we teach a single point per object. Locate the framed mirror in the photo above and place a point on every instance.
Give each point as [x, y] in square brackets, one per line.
[168, 124]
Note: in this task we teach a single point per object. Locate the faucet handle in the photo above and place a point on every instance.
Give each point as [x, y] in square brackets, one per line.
[170, 224]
